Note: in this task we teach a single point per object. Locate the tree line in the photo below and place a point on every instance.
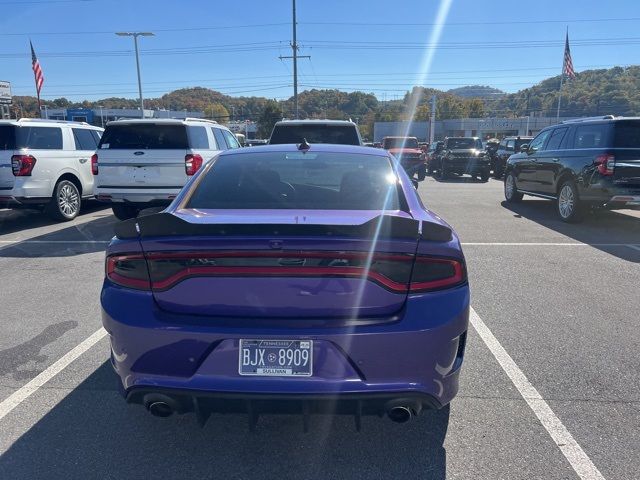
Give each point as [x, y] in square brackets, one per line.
[593, 92]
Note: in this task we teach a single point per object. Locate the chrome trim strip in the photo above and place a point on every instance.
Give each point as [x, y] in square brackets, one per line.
[140, 164]
[542, 195]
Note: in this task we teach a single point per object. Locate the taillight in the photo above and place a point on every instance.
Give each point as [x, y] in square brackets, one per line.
[128, 271]
[435, 274]
[192, 162]
[22, 165]
[94, 164]
[397, 273]
[606, 164]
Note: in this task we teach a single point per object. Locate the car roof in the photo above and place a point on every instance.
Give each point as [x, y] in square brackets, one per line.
[43, 122]
[165, 121]
[400, 136]
[315, 121]
[314, 147]
[521, 137]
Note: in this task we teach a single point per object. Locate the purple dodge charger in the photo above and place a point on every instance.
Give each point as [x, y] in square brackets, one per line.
[289, 279]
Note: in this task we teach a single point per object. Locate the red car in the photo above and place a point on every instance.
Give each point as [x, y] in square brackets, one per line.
[408, 153]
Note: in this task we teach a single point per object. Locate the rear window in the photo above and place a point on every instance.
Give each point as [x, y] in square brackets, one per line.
[39, 138]
[297, 180]
[591, 136]
[7, 137]
[454, 143]
[84, 139]
[319, 133]
[627, 135]
[199, 138]
[144, 136]
[400, 143]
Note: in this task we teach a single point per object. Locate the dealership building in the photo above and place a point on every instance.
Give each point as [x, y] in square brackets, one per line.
[100, 116]
[465, 127]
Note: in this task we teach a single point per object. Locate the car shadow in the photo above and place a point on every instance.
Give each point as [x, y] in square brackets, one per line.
[606, 230]
[89, 237]
[457, 179]
[12, 221]
[92, 433]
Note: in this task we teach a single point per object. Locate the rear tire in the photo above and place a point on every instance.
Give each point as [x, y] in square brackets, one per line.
[124, 212]
[568, 205]
[66, 201]
[484, 176]
[430, 170]
[511, 193]
[497, 173]
[422, 173]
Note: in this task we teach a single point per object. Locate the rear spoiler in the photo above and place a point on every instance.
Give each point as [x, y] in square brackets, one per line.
[167, 224]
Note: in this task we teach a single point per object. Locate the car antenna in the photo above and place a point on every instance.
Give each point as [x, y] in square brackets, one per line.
[304, 145]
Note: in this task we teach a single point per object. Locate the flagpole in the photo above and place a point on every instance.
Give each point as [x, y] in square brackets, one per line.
[561, 78]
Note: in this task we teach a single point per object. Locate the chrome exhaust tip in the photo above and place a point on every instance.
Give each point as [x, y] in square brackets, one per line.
[400, 414]
[160, 409]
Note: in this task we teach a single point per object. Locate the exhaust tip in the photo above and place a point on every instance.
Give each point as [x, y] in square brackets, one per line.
[160, 409]
[400, 414]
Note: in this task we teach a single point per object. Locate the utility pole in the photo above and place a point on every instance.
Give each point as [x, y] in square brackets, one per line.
[295, 57]
[432, 123]
[135, 36]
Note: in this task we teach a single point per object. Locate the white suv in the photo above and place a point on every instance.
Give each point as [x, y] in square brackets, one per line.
[45, 163]
[145, 163]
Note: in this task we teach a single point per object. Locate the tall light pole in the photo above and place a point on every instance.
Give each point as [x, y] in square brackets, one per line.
[135, 36]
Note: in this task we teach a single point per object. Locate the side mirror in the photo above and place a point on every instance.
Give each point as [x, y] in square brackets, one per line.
[415, 183]
[524, 148]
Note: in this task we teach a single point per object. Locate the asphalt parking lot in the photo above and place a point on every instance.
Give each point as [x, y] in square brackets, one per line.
[562, 301]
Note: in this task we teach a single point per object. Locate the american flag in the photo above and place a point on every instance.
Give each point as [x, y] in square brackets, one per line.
[37, 70]
[567, 69]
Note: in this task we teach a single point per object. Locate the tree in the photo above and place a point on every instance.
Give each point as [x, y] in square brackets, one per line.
[475, 108]
[217, 112]
[269, 116]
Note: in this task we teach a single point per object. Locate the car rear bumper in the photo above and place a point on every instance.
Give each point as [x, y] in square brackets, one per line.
[611, 196]
[418, 354]
[467, 165]
[142, 196]
[624, 201]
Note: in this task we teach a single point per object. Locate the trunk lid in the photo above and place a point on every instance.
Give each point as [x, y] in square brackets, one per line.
[626, 142]
[275, 264]
[143, 155]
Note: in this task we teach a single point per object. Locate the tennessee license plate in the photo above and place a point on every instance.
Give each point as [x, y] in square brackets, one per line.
[276, 358]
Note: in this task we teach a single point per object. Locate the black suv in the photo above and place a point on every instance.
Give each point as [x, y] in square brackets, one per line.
[508, 146]
[462, 155]
[591, 162]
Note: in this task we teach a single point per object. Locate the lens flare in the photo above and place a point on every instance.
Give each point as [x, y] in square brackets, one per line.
[427, 60]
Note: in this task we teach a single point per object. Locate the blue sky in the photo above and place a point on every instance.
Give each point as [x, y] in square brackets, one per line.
[375, 46]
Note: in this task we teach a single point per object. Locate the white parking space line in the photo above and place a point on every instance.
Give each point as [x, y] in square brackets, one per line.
[24, 392]
[572, 451]
[635, 247]
[549, 244]
[65, 242]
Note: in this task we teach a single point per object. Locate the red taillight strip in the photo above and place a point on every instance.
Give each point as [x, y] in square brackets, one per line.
[458, 277]
[122, 280]
[284, 271]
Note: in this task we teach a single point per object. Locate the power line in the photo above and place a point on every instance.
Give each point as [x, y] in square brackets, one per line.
[168, 30]
[507, 22]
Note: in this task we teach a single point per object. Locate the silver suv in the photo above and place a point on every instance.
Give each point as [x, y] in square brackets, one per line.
[145, 163]
[45, 164]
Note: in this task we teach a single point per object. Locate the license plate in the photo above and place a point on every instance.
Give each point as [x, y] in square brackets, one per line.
[276, 358]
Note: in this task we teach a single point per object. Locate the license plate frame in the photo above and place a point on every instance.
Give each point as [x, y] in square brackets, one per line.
[267, 363]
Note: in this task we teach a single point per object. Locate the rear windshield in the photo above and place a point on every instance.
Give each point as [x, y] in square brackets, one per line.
[522, 141]
[453, 143]
[297, 180]
[7, 137]
[144, 136]
[400, 143]
[317, 133]
[627, 135]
